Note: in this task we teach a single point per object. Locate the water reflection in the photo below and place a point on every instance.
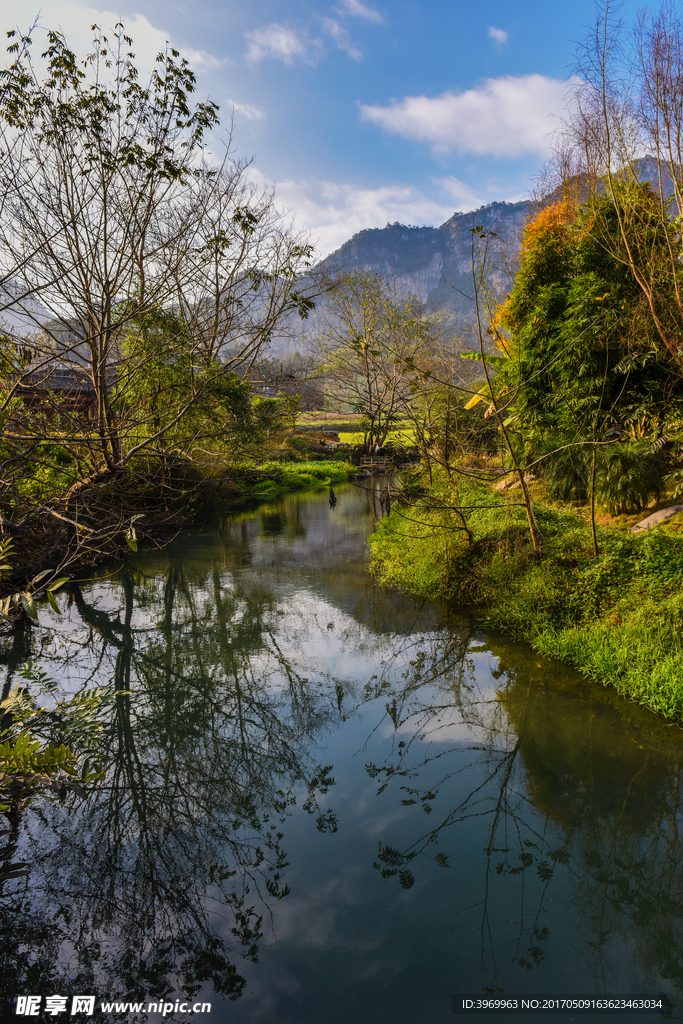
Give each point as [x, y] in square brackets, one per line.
[329, 802]
[577, 801]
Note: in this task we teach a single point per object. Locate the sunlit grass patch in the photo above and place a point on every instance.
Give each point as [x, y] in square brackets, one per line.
[278, 477]
[618, 618]
[403, 436]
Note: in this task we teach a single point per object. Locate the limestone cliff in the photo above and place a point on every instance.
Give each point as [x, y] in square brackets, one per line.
[435, 263]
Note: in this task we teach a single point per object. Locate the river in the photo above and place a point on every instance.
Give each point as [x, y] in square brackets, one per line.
[330, 803]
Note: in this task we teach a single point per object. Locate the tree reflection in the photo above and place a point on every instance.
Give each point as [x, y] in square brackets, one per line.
[614, 789]
[164, 879]
[577, 790]
[159, 881]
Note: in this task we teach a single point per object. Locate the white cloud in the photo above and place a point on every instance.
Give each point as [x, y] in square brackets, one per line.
[282, 43]
[463, 197]
[499, 35]
[358, 10]
[333, 211]
[200, 60]
[247, 110]
[75, 21]
[510, 116]
[341, 38]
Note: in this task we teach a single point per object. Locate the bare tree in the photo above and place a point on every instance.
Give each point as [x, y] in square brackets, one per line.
[105, 182]
[237, 281]
[625, 122]
[367, 344]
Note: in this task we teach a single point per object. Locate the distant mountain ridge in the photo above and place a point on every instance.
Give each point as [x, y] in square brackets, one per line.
[435, 263]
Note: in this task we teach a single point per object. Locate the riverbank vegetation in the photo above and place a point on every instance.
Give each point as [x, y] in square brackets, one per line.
[141, 282]
[524, 512]
[617, 617]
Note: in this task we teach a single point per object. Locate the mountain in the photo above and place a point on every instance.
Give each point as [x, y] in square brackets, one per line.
[435, 263]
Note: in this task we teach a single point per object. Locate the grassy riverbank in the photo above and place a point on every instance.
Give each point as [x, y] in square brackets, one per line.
[101, 528]
[617, 618]
[277, 477]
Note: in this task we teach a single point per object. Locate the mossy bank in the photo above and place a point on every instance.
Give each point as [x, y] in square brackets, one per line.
[617, 618]
[278, 477]
[103, 527]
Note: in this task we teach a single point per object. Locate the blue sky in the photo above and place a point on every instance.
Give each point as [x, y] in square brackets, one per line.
[360, 113]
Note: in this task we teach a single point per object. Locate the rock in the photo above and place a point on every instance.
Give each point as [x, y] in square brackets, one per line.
[511, 481]
[656, 518]
[505, 484]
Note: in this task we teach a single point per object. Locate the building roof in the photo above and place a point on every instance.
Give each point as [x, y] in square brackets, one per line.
[58, 377]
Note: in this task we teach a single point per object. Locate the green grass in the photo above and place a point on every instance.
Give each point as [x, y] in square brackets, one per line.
[401, 436]
[617, 619]
[323, 417]
[277, 477]
[328, 421]
[328, 426]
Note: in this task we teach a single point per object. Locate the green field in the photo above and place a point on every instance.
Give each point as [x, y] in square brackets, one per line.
[403, 436]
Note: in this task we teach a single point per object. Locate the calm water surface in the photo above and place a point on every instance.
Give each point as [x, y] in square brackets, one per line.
[328, 803]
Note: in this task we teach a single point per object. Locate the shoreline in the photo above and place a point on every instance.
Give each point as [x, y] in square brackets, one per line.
[55, 543]
[617, 619]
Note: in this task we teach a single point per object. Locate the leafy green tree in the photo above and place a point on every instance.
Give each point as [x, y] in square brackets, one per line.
[274, 414]
[182, 399]
[584, 373]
